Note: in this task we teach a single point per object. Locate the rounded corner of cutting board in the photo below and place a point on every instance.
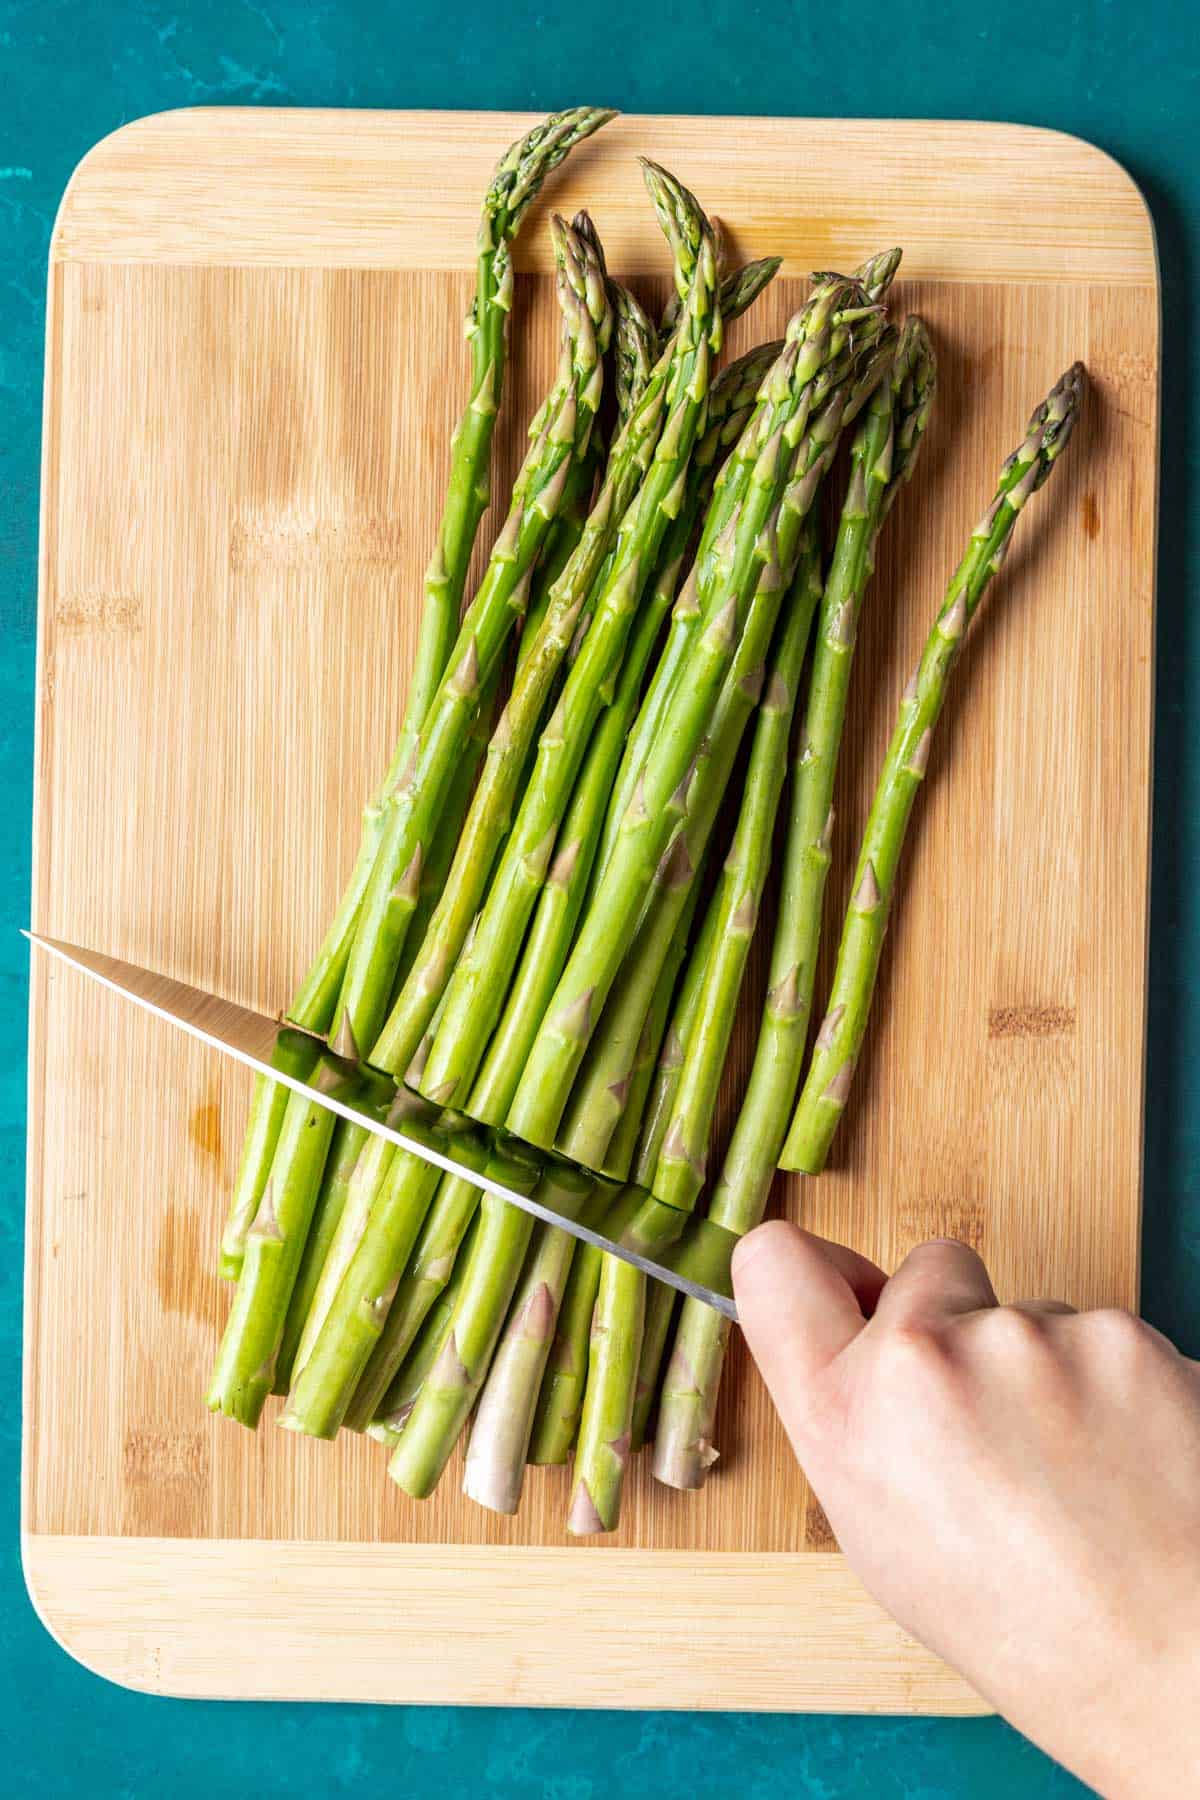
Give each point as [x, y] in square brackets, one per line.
[45, 1565]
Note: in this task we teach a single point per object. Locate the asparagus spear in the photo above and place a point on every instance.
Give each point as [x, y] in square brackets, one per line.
[788, 445]
[683, 1158]
[495, 1464]
[563, 436]
[517, 180]
[730, 406]
[561, 441]
[481, 979]
[876, 276]
[452, 1384]
[559, 903]
[636, 350]
[570, 604]
[347, 1144]
[738, 291]
[606, 1425]
[390, 1416]
[341, 1346]
[613, 1375]
[598, 1093]
[827, 1085]
[556, 1415]
[882, 458]
[245, 1367]
[426, 1280]
[296, 1054]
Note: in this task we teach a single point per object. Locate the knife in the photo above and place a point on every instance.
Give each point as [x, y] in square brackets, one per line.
[688, 1253]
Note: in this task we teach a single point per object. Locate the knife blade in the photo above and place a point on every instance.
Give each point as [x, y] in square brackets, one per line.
[688, 1253]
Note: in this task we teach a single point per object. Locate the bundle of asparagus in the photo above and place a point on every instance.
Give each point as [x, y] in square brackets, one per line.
[534, 932]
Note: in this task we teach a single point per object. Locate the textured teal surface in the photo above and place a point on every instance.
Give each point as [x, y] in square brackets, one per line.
[1125, 76]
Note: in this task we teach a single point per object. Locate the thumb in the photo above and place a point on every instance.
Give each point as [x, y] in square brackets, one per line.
[800, 1300]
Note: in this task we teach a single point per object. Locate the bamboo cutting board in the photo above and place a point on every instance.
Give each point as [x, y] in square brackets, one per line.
[254, 362]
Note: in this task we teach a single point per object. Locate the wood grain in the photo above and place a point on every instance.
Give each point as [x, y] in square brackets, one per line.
[254, 361]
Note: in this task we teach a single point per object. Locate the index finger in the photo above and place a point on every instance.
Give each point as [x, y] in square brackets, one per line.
[801, 1301]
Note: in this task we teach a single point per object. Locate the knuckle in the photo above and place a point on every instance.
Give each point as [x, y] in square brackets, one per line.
[1120, 1335]
[914, 1357]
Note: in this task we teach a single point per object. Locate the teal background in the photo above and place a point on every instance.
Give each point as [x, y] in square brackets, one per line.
[1122, 74]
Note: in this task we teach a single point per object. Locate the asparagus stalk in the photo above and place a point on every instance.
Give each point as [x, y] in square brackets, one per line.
[347, 1145]
[665, 1079]
[827, 1085]
[558, 906]
[341, 1347]
[882, 458]
[624, 1141]
[635, 347]
[495, 1464]
[683, 1159]
[556, 1415]
[738, 291]
[731, 403]
[606, 1425]
[452, 1384]
[562, 437]
[571, 601]
[745, 377]
[518, 178]
[296, 1054]
[390, 1416]
[598, 1093]
[613, 1375]
[371, 1170]
[245, 1367]
[481, 979]
[434, 1263]
[787, 445]
[660, 1313]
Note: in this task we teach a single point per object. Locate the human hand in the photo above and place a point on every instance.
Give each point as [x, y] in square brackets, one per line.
[1018, 1485]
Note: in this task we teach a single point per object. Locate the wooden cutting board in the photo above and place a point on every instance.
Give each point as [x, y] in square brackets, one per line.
[254, 360]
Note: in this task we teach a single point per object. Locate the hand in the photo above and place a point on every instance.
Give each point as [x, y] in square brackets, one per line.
[1018, 1485]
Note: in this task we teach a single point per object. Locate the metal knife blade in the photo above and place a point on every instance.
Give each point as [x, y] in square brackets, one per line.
[688, 1253]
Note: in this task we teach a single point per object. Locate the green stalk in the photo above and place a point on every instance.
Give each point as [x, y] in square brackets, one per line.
[430, 1270]
[827, 1085]
[495, 1464]
[787, 447]
[481, 979]
[606, 1425]
[563, 434]
[549, 938]
[391, 1415]
[660, 1311]
[665, 1079]
[738, 386]
[244, 1371]
[517, 180]
[882, 458]
[347, 1145]
[593, 1107]
[296, 1054]
[572, 600]
[683, 1159]
[370, 1171]
[325, 1383]
[451, 1386]
[731, 404]
[556, 1414]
